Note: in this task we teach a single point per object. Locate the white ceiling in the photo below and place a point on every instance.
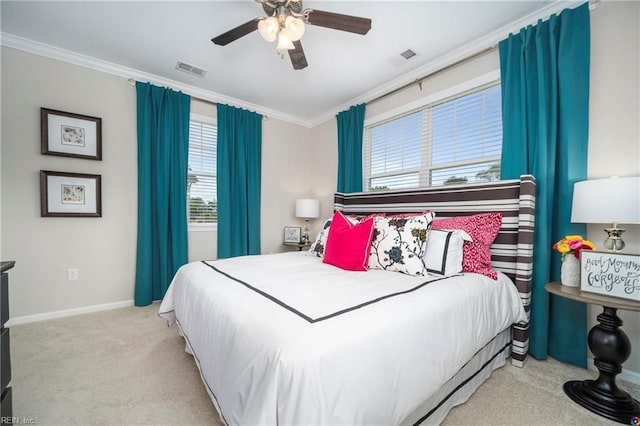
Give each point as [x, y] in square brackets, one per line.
[151, 36]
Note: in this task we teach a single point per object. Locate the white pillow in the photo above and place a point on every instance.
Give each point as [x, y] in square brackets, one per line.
[443, 255]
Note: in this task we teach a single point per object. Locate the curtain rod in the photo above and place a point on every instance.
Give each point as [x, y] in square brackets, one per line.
[132, 82]
[593, 5]
[419, 81]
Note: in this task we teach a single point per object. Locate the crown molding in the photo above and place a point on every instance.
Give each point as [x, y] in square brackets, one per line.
[52, 52]
[489, 40]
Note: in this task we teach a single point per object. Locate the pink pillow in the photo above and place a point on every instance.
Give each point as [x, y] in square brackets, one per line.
[348, 245]
[483, 228]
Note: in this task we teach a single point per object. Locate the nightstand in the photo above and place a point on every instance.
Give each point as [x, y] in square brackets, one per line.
[610, 347]
[6, 410]
[299, 245]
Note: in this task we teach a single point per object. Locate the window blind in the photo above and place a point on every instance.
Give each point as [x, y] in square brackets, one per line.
[457, 140]
[201, 181]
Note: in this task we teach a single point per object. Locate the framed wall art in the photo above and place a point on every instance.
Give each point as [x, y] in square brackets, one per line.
[70, 135]
[70, 194]
[292, 234]
[610, 273]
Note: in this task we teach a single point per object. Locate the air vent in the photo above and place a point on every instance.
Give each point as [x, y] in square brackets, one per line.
[191, 69]
[401, 59]
[408, 54]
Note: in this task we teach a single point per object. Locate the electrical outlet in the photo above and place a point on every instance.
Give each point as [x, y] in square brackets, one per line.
[72, 274]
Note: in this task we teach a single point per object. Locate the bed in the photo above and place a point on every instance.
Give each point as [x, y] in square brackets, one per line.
[288, 339]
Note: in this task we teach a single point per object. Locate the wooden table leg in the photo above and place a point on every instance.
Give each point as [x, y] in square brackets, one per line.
[611, 347]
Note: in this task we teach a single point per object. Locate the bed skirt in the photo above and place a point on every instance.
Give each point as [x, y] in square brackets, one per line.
[454, 392]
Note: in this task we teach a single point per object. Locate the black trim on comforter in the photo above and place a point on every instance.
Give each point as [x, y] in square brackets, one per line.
[325, 317]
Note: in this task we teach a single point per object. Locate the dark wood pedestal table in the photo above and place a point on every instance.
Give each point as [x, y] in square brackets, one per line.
[610, 347]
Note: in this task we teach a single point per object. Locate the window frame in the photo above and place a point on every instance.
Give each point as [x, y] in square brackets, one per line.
[193, 226]
[492, 77]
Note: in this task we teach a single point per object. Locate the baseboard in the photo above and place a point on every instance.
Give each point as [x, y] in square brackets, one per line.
[626, 375]
[67, 313]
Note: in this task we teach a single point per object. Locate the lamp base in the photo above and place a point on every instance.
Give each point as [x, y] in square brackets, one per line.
[305, 232]
[614, 241]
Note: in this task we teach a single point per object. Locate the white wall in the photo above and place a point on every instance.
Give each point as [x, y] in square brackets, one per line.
[103, 249]
[285, 177]
[614, 147]
[614, 132]
[324, 168]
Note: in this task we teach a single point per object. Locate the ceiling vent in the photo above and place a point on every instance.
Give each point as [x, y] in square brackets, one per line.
[191, 69]
[403, 58]
[408, 54]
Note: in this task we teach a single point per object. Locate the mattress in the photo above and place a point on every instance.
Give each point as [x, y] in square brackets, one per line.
[286, 339]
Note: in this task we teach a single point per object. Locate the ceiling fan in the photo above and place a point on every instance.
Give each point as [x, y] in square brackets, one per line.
[286, 21]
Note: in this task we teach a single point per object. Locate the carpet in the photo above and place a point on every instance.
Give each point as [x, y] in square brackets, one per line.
[126, 367]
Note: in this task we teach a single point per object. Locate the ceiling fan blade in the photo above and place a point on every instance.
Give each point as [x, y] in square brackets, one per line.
[236, 33]
[298, 60]
[337, 21]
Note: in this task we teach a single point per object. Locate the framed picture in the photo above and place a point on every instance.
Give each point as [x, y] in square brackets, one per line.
[70, 135]
[70, 194]
[609, 273]
[292, 234]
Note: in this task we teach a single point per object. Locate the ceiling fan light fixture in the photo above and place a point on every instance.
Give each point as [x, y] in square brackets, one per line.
[295, 27]
[268, 28]
[284, 41]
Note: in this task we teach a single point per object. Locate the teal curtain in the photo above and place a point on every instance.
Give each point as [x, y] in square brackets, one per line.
[239, 159]
[350, 132]
[545, 104]
[163, 146]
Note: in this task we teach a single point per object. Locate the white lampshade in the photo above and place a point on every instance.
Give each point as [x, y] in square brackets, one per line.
[295, 27]
[284, 41]
[307, 208]
[268, 28]
[613, 200]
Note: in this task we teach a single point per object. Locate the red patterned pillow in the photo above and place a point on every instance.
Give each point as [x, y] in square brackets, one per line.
[483, 228]
[348, 245]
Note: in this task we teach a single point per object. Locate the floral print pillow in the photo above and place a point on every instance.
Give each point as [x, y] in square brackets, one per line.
[317, 248]
[399, 243]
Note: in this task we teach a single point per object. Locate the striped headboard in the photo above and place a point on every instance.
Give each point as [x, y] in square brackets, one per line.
[511, 252]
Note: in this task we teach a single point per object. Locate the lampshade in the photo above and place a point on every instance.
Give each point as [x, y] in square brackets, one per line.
[268, 28]
[613, 200]
[295, 27]
[284, 41]
[307, 208]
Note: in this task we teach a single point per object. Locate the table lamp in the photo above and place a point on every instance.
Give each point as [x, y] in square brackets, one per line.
[615, 200]
[307, 208]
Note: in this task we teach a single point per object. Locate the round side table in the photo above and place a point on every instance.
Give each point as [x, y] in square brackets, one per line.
[610, 347]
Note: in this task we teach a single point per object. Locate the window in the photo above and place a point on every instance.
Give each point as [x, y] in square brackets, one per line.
[456, 140]
[201, 182]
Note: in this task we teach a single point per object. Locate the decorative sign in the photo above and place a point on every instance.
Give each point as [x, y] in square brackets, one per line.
[612, 274]
[292, 234]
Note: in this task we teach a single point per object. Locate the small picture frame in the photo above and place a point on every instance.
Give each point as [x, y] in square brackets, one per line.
[292, 234]
[610, 273]
[70, 194]
[70, 135]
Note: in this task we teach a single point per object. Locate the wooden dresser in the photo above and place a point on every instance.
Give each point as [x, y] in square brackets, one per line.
[6, 409]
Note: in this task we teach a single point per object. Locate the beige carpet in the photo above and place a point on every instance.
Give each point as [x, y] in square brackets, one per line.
[126, 366]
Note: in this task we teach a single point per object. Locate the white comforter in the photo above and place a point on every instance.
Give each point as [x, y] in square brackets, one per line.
[286, 339]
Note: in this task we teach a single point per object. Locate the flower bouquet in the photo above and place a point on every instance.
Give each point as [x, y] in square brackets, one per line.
[573, 244]
[570, 271]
